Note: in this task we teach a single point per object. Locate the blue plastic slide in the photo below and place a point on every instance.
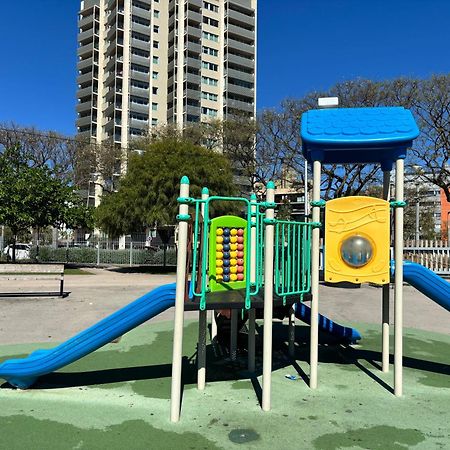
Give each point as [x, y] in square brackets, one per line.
[427, 282]
[22, 373]
[344, 334]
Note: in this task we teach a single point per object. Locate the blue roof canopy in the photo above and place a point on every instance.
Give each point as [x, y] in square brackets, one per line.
[358, 135]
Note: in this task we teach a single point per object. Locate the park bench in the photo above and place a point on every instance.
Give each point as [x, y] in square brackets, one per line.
[22, 272]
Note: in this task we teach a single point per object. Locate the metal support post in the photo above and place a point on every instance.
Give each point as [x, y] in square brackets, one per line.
[398, 297]
[291, 332]
[268, 298]
[385, 293]
[252, 313]
[202, 325]
[175, 402]
[315, 256]
[233, 334]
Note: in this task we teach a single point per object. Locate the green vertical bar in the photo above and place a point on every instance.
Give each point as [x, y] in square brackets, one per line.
[205, 256]
[294, 255]
[195, 249]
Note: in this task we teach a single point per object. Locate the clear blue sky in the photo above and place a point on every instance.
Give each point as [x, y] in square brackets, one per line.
[303, 45]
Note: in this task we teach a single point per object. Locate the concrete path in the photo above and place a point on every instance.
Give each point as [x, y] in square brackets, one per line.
[28, 320]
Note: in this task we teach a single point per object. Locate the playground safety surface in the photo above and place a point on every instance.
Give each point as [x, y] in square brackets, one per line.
[118, 397]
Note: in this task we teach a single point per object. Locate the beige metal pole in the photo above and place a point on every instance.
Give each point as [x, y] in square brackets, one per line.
[398, 297]
[175, 402]
[315, 256]
[202, 322]
[385, 293]
[268, 299]
[291, 332]
[251, 313]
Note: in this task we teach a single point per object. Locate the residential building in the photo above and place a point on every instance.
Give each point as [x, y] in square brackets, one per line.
[144, 63]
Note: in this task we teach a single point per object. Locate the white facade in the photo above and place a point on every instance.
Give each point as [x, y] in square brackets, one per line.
[144, 63]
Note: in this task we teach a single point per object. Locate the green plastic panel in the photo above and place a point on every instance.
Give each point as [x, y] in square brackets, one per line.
[216, 254]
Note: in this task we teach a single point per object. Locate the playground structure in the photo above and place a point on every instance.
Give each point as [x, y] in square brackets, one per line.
[256, 263]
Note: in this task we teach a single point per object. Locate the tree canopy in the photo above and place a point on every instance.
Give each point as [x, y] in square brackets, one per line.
[32, 197]
[147, 195]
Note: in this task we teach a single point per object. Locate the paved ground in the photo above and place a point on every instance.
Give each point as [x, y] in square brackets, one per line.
[27, 320]
[118, 396]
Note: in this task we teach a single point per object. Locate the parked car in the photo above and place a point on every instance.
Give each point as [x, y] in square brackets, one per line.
[22, 251]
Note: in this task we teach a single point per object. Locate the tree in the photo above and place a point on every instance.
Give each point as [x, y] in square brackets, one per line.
[148, 193]
[429, 101]
[32, 197]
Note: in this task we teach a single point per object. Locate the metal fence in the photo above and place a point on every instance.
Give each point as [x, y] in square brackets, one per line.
[434, 255]
[106, 252]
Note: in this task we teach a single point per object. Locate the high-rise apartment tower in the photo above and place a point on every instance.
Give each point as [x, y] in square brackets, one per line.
[149, 62]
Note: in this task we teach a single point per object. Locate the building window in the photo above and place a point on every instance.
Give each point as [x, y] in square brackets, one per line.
[210, 36]
[155, 44]
[154, 121]
[156, 14]
[156, 60]
[210, 66]
[210, 51]
[155, 28]
[209, 112]
[154, 106]
[210, 7]
[210, 81]
[154, 90]
[209, 96]
[209, 21]
[155, 75]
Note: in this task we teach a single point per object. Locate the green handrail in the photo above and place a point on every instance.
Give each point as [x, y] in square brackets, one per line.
[292, 258]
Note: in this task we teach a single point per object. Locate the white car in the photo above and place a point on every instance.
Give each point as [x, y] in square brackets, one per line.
[22, 251]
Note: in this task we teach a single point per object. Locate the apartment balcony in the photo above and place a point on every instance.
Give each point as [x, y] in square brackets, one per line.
[85, 50]
[140, 44]
[141, 60]
[83, 107]
[110, 109]
[241, 106]
[193, 47]
[194, 16]
[241, 47]
[109, 126]
[143, 29]
[240, 90]
[195, 32]
[139, 108]
[85, 63]
[192, 94]
[192, 78]
[110, 78]
[191, 110]
[141, 12]
[87, 35]
[138, 91]
[140, 124]
[241, 32]
[240, 61]
[242, 4]
[85, 78]
[140, 76]
[248, 77]
[84, 135]
[242, 18]
[193, 62]
[86, 21]
[84, 121]
[85, 92]
[196, 3]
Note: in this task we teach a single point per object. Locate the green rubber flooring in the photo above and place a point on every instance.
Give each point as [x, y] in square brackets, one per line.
[118, 398]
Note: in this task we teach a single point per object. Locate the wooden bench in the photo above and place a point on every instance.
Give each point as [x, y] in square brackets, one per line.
[16, 272]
